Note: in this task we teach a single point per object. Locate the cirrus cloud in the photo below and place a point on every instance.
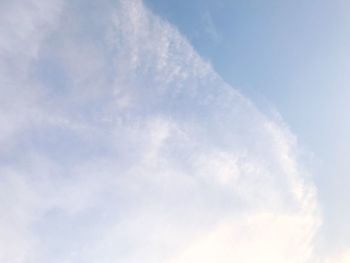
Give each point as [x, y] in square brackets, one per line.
[120, 143]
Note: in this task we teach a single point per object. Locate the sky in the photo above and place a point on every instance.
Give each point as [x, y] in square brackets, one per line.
[174, 131]
[291, 57]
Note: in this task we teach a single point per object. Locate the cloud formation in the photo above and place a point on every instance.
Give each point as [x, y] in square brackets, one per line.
[118, 143]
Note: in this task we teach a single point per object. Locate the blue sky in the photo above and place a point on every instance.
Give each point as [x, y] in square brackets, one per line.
[174, 131]
[289, 56]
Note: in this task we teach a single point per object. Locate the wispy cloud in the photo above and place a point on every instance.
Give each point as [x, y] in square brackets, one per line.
[119, 143]
[209, 27]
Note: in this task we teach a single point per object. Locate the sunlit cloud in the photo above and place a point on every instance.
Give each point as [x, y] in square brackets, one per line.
[120, 143]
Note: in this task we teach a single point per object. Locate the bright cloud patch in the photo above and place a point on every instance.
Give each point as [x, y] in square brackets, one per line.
[118, 143]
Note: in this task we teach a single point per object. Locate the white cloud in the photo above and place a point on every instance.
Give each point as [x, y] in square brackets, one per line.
[124, 145]
[340, 257]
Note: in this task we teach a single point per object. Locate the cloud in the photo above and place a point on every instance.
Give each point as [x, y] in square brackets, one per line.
[210, 28]
[120, 143]
[340, 257]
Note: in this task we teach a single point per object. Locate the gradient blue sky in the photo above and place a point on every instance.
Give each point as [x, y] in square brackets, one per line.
[174, 131]
[289, 56]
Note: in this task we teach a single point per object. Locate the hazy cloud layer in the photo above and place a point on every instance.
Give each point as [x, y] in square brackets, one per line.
[118, 143]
